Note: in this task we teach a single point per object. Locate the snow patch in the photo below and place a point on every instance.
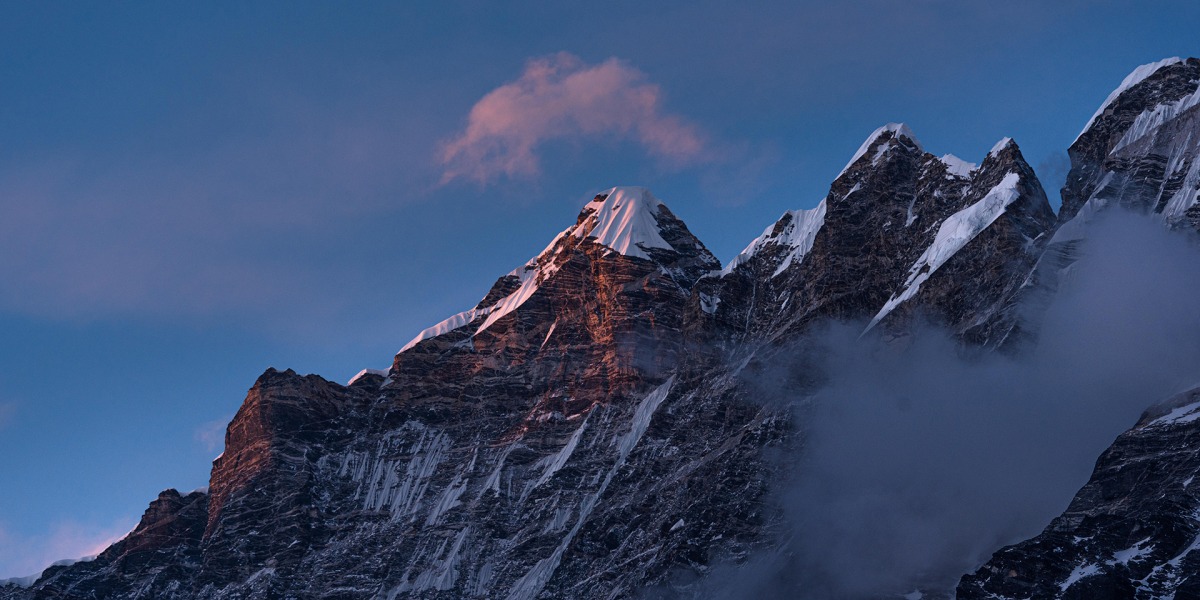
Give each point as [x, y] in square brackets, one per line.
[896, 129]
[1132, 554]
[1137, 76]
[531, 279]
[798, 235]
[1178, 416]
[958, 167]
[365, 372]
[1150, 120]
[551, 464]
[1084, 570]
[448, 325]
[493, 479]
[549, 333]
[641, 417]
[623, 219]
[955, 232]
[1000, 146]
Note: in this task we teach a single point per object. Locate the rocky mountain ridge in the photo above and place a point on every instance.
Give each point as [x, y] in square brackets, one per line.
[593, 425]
[1131, 531]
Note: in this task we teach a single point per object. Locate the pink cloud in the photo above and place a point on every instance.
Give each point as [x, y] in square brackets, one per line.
[23, 555]
[560, 97]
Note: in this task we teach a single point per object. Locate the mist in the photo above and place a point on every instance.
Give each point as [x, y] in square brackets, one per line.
[915, 460]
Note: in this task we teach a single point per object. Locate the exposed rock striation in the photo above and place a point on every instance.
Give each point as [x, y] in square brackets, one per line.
[552, 441]
[1139, 150]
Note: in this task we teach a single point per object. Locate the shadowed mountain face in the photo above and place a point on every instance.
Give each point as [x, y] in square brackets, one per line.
[1140, 149]
[1132, 531]
[597, 421]
[901, 233]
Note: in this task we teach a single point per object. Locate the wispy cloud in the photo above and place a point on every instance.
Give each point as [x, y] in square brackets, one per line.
[27, 554]
[560, 97]
[212, 433]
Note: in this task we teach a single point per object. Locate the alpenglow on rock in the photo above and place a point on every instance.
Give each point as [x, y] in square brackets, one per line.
[538, 447]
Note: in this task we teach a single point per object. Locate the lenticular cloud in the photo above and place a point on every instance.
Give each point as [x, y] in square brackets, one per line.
[559, 97]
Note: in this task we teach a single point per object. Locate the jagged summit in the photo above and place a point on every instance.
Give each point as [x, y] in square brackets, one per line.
[1135, 77]
[881, 140]
[791, 236]
[957, 167]
[1001, 145]
[901, 232]
[626, 221]
[1140, 149]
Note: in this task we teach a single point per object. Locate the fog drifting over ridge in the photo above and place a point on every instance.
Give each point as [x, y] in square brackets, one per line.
[915, 462]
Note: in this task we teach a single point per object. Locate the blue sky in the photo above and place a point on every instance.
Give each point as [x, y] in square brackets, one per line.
[190, 193]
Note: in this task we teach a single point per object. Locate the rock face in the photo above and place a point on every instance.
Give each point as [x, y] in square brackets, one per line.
[557, 440]
[584, 430]
[152, 561]
[1132, 532]
[593, 423]
[902, 233]
[1140, 149]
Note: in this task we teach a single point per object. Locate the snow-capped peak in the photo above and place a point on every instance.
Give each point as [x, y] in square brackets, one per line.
[1137, 76]
[798, 234]
[623, 219]
[1000, 146]
[957, 166]
[897, 130]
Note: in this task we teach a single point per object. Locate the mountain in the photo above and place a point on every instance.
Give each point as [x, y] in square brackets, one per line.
[1132, 530]
[1139, 150]
[901, 234]
[598, 423]
[546, 441]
